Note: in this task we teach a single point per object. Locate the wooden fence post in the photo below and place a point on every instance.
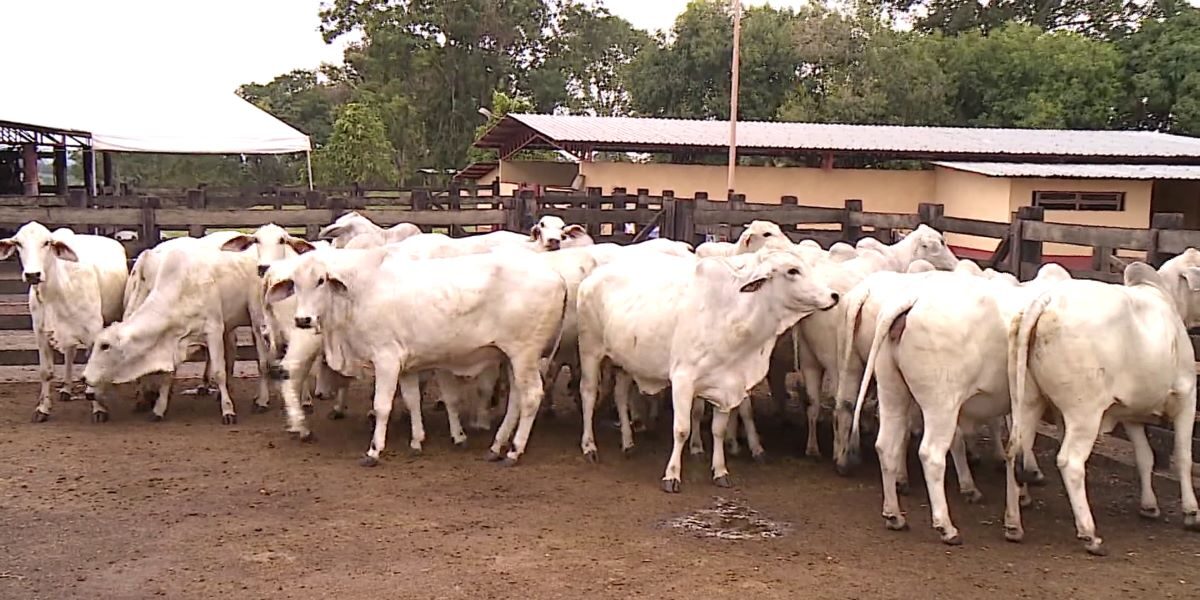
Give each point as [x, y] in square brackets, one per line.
[931, 214]
[196, 200]
[670, 224]
[312, 201]
[1026, 251]
[525, 210]
[1159, 222]
[456, 193]
[150, 233]
[852, 226]
[685, 217]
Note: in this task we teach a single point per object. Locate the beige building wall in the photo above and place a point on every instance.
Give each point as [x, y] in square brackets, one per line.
[560, 174]
[1136, 214]
[972, 196]
[880, 190]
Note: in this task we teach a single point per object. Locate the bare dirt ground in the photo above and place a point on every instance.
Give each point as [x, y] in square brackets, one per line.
[188, 508]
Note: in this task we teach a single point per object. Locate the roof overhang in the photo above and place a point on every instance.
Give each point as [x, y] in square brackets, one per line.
[1076, 171]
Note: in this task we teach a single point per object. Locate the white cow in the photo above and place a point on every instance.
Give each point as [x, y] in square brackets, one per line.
[1104, 354]
[816, 339]
[758, 234]
[552, 233]
[353, 225]
[706, 327]
[76, 287]
[200, 295]
[272, 243]
[399, 316]
[942, 343]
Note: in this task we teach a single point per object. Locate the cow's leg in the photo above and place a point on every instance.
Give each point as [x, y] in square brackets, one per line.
[1144, 456]
[1185, 423]
[752, 438]
[303, 349]
[1013, 531]
[720, 420]
[64, 392]
[941, 427]
[162, 398]
[1082, 429]
[222, 369]
[589, 367]
[695, 441]
[682, 398]
[45, 373]
[451, 389]
[653, 407]
[549, 381]
[624, 384]
[962, 467]
[777, 373]
[387, 375]
[485, 389]
[810, 369]
[528, 383]
[731, 431]
[410, 391]
[508, 425]
[890, 443]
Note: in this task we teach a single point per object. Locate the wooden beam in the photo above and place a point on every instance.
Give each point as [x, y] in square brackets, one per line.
[29, 169]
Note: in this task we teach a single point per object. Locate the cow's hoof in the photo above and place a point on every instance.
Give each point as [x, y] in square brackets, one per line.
[1149, 512]
[508, 461]
[259, 409]
[337, 415]
[308, 409]
[1014, 534]
[307, 437]
[902, 488]
[40, 417]
[591, 457]
[895, 522]
[1024, 500]
[64, 395]
[972, 496]
[368, 461]
[229, 419]
[760, 458]
[843, 469]
[203, 390]
[155, 418]
[954, 540]
[142, 406]
[670, 486]
[1191, 522]
[460, 444]
[100, 416]
[814, 453]
[628, 452]
[722, 481]
[1036, 478]
[415, 451]
[1095, 547]
[89, 396]
[493, 456]
[1028, 476]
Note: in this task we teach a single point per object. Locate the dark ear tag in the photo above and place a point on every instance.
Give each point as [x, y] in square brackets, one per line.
[754, 286]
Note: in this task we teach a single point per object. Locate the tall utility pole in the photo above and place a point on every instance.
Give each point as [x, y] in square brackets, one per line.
[733, 90]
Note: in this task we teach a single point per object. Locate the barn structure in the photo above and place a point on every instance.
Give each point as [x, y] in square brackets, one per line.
[1108, 178]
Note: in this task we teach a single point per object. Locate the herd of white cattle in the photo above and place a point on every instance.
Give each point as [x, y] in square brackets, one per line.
[965, 346]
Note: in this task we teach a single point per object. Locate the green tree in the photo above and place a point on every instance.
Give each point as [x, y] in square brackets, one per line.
[301, 99]
[358, 150]
[1109, 19]
[1163, 74]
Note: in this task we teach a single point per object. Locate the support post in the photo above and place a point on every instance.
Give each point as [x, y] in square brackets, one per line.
[1159, 222]
[60, 170]
[196, 200]
[852, 226]
[1026, 251]
[109, 171]
[29, 167]
[931, 214]
[150, 233]
[89, 171]
[685, 217]
[313, 200]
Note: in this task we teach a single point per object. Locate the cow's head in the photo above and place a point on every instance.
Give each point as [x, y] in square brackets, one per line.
[552, 233]
[320, 289]
[762, 234]
[1181, 278]
[927, 243]
[785, 278]
[127, 351]
[346, 227]
[38, 249]
[273, 242]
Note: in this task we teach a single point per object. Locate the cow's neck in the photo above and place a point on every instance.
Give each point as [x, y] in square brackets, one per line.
[901, 254]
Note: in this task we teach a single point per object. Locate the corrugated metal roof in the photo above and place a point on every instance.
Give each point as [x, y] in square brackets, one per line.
[1076, 171]
[475, 170]
[633, 134]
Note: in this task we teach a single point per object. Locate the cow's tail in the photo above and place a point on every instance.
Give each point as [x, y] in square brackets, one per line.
[848, 439]
[1020, 334]
[562, 320]
[887, 319]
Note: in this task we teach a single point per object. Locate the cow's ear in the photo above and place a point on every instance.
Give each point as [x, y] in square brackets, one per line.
[300, 246]
[755, 285]
[337, 285]
[1192, 276]
[331, 232]
[281, 290]
[239, 243]
[574, 231]
[62, 251]
[7, 247]
[535, 233]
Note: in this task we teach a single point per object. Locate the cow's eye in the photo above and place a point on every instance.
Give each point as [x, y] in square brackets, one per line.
[321, 282]
[105, 346]
[282, 241]
[767, 234]
[47, 243]
[794, 272]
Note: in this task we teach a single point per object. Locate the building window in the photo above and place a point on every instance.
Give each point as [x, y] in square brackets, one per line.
[1080, 200]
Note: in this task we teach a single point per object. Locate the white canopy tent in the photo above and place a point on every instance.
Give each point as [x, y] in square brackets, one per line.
[185, 122]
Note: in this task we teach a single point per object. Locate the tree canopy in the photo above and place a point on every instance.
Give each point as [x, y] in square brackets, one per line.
[420, 71]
